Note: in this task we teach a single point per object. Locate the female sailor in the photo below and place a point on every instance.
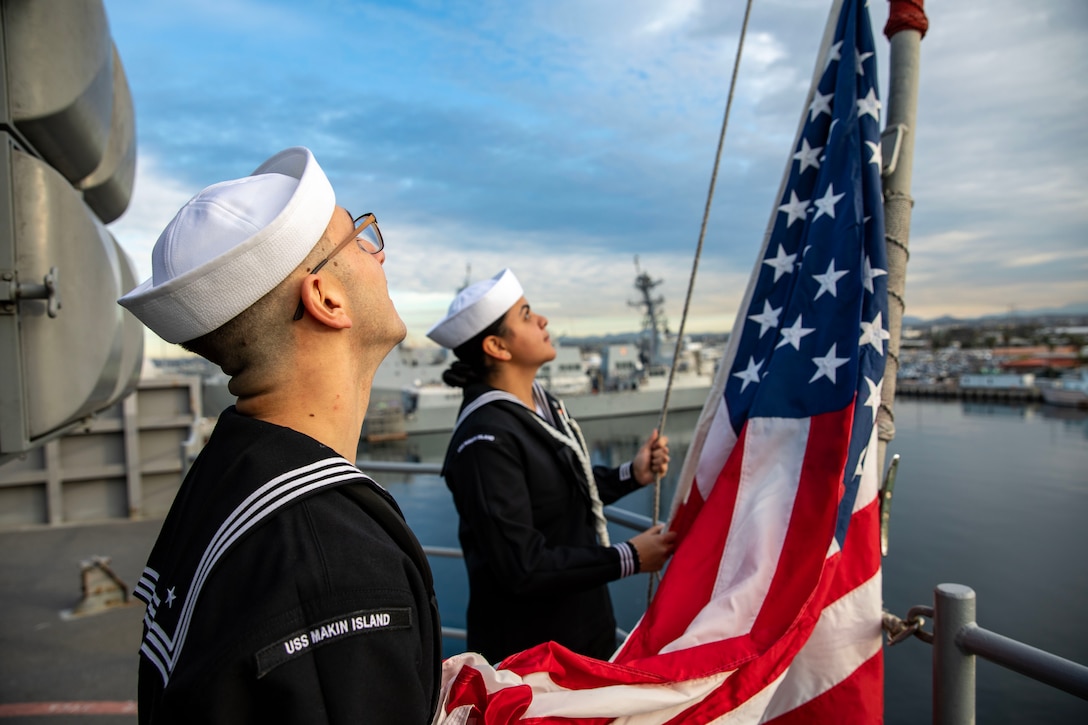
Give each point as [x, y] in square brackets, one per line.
[532, 527]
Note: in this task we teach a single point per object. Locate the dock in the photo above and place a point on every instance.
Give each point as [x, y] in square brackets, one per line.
[953, 390]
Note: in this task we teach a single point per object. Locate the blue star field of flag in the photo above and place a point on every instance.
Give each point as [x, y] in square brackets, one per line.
[814, 335]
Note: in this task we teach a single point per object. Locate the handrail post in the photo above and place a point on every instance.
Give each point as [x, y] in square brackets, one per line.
[953, 668]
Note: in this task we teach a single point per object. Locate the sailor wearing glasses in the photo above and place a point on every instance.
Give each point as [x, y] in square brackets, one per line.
[284, 585]
[532, 527]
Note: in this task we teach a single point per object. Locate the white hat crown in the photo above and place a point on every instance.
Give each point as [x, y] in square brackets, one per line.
[475, 308]
[233, 243]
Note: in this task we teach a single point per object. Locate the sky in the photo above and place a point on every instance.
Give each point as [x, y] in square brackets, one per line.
[573, 141]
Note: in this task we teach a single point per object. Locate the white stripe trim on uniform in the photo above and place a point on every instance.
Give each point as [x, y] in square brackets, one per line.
[489, 397]
[570, 436]
[164, 650]
[263, 502]
[145, 588]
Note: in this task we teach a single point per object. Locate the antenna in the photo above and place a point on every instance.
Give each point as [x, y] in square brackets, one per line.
[468, 278]
[653, 320]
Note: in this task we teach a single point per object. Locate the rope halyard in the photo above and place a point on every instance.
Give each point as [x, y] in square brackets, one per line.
[695, 267]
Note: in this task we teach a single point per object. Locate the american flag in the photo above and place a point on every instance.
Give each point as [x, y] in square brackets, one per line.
[770, 609]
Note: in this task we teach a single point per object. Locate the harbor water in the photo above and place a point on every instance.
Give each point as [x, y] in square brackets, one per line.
[991, 496]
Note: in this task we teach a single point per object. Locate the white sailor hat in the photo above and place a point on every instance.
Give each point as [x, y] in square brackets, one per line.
[233, 243]
[474, 308]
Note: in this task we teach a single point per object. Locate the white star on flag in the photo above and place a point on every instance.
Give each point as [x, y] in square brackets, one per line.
[875, 154]
[792, 335]
[782, 263]
[808, 156]
[828, 280]
[795, 209]
[873, 333]
[821, 103]
[834, 54]
[826, 203]
[869, 273]
[826, 365]
[750, 374]
[873, 401]
[861, 58]
[870, 105]
[767, 319]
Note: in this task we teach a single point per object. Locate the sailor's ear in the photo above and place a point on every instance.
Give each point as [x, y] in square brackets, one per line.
[495, 347]
[324, 300]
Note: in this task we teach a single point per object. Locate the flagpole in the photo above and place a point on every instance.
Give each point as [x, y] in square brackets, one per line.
[907, 24]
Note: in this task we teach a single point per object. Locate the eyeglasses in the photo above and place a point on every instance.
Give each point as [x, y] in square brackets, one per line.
[367, 235]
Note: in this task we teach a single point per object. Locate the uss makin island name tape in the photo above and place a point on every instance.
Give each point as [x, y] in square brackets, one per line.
[299, 643]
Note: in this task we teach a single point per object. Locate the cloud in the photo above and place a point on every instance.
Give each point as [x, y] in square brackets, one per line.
[564, 138]
[424, 276]
[1035, 260]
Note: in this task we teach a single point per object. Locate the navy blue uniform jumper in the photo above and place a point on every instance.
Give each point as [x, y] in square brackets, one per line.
[536, 570]
[276, 594]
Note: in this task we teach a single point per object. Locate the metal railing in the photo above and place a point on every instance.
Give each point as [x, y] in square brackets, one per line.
[957, 639]
[622, 517]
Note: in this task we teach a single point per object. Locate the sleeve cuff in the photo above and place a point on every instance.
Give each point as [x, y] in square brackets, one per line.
[629, 563]
[625, 471]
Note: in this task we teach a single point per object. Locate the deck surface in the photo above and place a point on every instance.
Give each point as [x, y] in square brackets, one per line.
[84, 666]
